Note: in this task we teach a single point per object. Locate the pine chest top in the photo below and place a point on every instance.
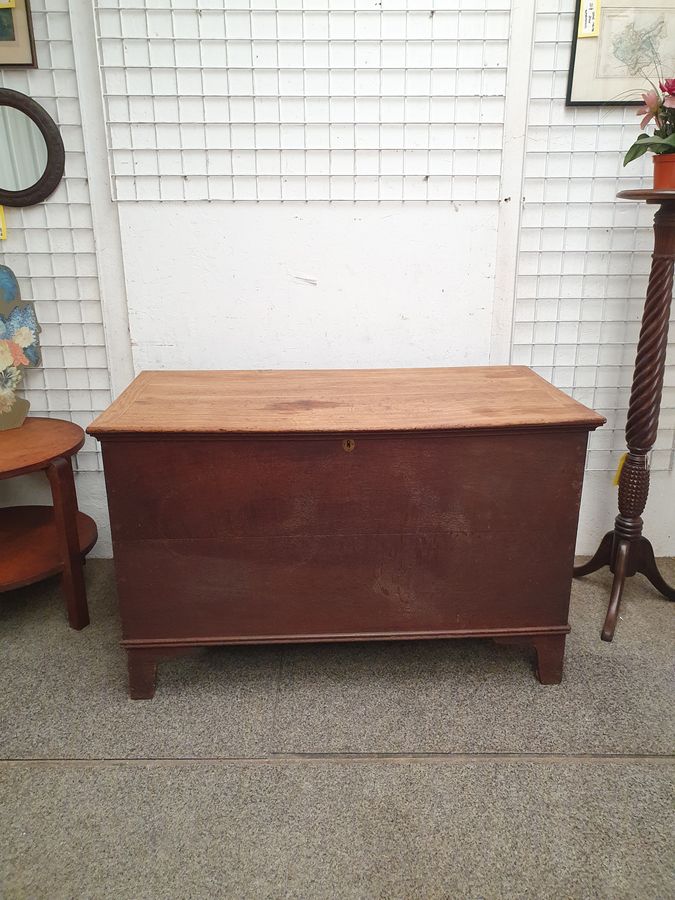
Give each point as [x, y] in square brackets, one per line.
[341, 400]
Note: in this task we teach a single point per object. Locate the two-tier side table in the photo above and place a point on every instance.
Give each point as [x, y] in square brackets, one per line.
[625, 549]
[37, 542]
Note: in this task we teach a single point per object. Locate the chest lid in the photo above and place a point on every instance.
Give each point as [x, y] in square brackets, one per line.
[341, 400]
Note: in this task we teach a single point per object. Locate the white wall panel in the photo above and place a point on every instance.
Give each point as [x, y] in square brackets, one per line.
[340, 100]
[50, 247]
[584, 256]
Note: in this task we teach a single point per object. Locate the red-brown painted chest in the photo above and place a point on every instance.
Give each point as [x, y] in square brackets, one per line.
[312, 506]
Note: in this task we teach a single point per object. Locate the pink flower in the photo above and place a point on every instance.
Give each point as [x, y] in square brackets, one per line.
[18, 356]
[668, 86]
[650, 110]
[669, 101]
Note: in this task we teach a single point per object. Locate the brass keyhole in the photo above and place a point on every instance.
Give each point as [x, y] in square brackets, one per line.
[348, 445]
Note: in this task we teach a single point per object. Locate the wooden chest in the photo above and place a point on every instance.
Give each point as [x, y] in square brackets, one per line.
[251, 507]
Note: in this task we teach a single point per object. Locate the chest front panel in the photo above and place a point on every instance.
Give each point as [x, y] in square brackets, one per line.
[227, 537]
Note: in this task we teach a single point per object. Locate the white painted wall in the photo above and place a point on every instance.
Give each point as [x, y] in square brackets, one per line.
[214, 285]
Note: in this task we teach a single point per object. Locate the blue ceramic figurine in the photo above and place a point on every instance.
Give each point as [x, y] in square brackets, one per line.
[19, 347]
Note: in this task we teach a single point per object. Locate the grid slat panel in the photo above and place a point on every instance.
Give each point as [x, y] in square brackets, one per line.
[190, 116]
[347, 100]
[584, 256]
[50, 247]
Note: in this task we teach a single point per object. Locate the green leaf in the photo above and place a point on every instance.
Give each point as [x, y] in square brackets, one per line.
[669, 141]
[638, 149]
[646, 142]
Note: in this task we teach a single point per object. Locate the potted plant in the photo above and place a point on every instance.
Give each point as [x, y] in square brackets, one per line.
[659, 106]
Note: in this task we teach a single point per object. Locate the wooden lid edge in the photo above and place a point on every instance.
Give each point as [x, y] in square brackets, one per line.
[191, 433]
[106, 419]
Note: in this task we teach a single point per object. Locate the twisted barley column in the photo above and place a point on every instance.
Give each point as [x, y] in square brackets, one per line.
[625, 550]
[645, 398]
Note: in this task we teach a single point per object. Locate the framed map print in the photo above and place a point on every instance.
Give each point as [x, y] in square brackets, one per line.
[17, 47]
[620, 49]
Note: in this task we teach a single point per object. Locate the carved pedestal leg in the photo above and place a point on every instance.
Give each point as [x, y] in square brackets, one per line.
[142, 664]
[60, 474]
[646, 564]
[619, 569]
[629, 552]
[602, 558]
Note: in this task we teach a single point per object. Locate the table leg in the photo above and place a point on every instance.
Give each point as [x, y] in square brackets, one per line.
[550, 650]
[142, 666]
[60, 474]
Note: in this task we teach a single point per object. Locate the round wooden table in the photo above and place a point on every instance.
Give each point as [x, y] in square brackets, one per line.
[37, 542]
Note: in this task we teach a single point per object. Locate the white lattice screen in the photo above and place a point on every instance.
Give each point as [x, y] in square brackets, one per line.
[339, 100]
[269, 100]
[584, 255]
[50, 247]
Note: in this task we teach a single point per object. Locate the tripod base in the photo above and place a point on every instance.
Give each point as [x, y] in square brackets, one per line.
[625, 558]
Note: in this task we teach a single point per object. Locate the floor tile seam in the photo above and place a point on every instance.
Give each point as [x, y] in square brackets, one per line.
[316, 759]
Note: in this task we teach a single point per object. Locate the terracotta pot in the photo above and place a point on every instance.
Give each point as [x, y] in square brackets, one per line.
[664, 172]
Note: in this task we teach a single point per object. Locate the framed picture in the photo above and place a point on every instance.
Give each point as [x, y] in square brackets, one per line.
[620, 49]
[17, 47]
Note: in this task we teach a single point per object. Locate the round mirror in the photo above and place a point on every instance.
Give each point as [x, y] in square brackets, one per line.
[24, 150]
[31, 151]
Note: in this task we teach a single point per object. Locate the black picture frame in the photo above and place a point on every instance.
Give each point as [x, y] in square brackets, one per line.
[56, 154]
[31, 39]
[570, 73]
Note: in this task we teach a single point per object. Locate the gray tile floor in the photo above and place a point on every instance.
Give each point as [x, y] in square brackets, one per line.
[408, 770]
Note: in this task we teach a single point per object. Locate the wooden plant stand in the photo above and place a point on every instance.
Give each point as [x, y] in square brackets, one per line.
[37, 542]
[625, 549]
